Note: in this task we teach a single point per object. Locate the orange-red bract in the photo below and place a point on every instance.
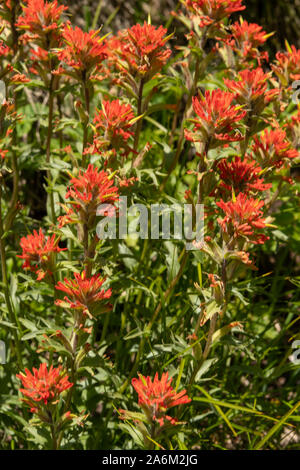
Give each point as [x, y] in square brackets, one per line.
[43, 385]
[83, 292]
[43, 20]
[243, 218]
[82, 54]
[88, 190]
[241, 176]
[140, 51]
[251, 89]
[217, 121]
[213, 11]
[112, 124]
[157, 396]
[38, 253]
[272, 148]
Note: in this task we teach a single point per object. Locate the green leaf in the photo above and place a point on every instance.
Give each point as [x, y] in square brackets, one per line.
[276, 427]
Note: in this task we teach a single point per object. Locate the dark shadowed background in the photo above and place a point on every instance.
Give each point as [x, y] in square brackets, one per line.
[282, 16]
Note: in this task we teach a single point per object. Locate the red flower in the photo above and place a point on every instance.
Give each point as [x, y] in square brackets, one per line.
[272, 148]
[43, 386]
[3, 153]
[43, 20]
[41, 61]
[6, 67]
[83, 293]
[157, 396]
[241, 176]
[6, 4]
[82, 54]
[87, 191]
[4, 49]
[19, 78]
[39, 253]
[245, 38]
[213, 280]
[250, 33]
[112, 124]
[217, 119]
[9, 118]
[140, 50]
[213, 11]
[243, 218]
[287, 65]
[251, 89]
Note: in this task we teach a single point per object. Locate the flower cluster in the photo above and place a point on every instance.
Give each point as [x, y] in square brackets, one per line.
[241, 176]
[272, 148]
[42, 387]
[212, 11]
[157, 396]
[218, 120]
[83, 293]
[112, 127]
[139, 52]
[287, 65]
[243, 219]
[43, 21]
[251, 89]
[39, 253]
[245, 39]
[82, 54]
[87, 191]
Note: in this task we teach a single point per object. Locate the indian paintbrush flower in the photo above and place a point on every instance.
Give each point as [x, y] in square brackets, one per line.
[86, 192]
[241, 176]
[272, 148]
[38, 253]
[82, 53]
[251, 89]
[243, 219]
[218, 120]
[42, 22]
[84, 294]
[112, 126]
[208, 12]
[42, 387]
[157, 396]
[245, 39]
[139, 52]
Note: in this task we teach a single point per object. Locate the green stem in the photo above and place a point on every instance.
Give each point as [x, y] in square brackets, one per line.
[11, 213]
[212, 327]
[73, 375]
[181, 135]
[48, 145]
[11, 312]
[139, 112]
[14, 31]
[86, 124]
[184, 259]
[87, 262]
[55, 442]
[152, 321]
